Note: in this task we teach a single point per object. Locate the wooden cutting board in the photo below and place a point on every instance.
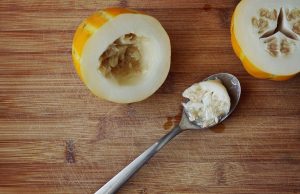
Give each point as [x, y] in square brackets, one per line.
[57, 138]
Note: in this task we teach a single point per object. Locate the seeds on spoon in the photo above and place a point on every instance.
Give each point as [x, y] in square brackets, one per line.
[208, 102]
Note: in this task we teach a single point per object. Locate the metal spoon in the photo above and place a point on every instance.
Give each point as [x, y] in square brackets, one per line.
[233, 87]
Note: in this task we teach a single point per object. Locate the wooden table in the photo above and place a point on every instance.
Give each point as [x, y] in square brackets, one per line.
[57, 138]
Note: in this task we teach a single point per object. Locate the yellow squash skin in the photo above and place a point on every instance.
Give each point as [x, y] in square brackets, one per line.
[86, 29]
[250, 67]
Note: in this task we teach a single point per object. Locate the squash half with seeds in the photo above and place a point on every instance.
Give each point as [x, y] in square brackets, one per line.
[265, 35]
[121, 55]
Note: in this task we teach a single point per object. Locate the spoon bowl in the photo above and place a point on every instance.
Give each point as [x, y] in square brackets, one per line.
[233, 87]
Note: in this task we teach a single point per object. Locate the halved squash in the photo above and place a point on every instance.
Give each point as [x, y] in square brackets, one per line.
[121, 55]
[265, 35]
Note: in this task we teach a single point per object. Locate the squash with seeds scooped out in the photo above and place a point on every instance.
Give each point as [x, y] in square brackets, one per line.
[265, 35]
[121, 55]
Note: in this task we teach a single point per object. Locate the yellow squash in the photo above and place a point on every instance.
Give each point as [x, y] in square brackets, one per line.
[121, 55]
[256, 28]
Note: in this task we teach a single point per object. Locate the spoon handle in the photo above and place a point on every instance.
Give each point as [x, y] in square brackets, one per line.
[118, 180]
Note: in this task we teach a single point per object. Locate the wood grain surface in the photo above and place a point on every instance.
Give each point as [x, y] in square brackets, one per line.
[57, 138]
